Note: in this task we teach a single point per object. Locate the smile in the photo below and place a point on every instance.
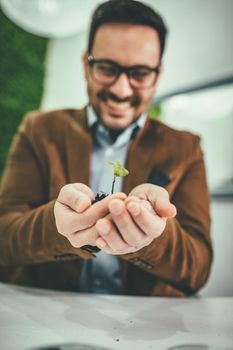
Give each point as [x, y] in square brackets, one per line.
[118, 105]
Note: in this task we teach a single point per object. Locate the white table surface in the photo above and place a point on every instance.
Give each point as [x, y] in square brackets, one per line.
[32, 317]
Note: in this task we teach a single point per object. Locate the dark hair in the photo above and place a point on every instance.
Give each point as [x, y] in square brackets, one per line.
[127, 11]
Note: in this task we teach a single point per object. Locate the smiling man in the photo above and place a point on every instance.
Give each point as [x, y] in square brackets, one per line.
[120, 85]
[53, 232]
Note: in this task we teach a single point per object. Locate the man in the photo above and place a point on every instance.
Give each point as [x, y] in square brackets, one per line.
[53, 235]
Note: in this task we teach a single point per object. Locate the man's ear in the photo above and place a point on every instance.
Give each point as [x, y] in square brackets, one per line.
[159, 75]
[160, 72]
[85, 63]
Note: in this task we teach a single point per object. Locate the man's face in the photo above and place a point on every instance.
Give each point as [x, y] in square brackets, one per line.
[119, 104]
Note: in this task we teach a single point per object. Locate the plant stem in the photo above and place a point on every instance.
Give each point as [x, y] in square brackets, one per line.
[113, 183]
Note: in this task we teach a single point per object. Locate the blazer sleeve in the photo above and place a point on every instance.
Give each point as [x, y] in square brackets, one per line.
[28, 231]
[182, 255]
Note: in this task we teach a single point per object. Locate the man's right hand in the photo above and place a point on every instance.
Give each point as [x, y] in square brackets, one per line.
[76, 216]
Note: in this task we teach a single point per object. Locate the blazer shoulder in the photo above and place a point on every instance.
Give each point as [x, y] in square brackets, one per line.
[54, 116]
[173, 132]
[182, 142]
[52, 121]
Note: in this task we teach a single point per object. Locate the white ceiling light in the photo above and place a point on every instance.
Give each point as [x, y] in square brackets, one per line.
[203, 105]
[49, 18]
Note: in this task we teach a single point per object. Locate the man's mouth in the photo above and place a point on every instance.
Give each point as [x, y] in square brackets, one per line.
[120, 106]
[115, 104]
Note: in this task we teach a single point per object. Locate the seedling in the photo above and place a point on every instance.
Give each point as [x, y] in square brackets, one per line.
[118, 171]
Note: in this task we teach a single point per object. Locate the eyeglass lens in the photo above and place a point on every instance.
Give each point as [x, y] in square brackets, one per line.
[107, 73]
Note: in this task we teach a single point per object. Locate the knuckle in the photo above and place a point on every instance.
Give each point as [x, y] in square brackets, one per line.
[65, 192]
[76, 245]
[75, 242]
[66, 188]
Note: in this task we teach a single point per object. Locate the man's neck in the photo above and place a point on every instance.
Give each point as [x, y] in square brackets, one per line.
[114, 133]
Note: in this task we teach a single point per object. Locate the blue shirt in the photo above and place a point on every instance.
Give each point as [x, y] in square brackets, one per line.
[101, 275]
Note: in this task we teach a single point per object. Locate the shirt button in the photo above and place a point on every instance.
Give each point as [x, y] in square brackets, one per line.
[108, 152]
[97, 282]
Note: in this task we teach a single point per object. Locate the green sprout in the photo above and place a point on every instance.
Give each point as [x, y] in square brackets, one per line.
[118, 171]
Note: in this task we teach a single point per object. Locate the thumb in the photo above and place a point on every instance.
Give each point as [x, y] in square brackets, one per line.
[77, 197]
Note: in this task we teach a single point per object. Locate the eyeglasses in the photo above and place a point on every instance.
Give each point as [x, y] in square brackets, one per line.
[107, 72]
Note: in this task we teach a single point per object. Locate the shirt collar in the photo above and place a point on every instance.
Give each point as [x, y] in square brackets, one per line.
[101, 132]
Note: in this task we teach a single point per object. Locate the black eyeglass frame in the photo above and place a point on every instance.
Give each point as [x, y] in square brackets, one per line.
[123, 69]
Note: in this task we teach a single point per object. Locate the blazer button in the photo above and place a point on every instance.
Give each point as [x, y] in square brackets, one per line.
[65, 257]
[142, 264]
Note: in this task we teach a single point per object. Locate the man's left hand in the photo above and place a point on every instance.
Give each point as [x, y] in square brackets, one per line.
[134, 223]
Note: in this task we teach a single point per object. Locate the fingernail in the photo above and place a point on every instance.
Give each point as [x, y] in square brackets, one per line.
[120, 195]
[100, 243]
[116, 208]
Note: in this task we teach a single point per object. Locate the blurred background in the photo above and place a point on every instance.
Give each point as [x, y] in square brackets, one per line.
[41, 45]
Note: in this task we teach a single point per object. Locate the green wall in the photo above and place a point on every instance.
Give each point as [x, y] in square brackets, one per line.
[22, 57]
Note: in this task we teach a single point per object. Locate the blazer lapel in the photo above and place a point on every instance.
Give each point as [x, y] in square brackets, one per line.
[79, 146]
[140, 157]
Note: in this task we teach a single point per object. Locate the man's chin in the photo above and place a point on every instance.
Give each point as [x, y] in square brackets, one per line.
[116, 122]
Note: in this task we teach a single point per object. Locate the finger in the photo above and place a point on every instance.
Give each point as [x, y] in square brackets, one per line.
[131, 234]
[165, 209]
[65, 219]
[102, 245]
[145, 203]
[77, 196]
[84, 237]
[150, 223]
[158, 197]
[69, 221]
[131, 198]
[110, 236]
[97, 211]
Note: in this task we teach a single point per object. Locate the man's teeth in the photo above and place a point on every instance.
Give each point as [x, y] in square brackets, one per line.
[118, 105]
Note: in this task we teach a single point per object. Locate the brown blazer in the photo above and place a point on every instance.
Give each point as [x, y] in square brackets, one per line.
[51, 149]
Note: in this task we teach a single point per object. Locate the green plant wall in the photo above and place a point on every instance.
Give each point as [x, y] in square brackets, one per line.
[155, 111]
[22, 57]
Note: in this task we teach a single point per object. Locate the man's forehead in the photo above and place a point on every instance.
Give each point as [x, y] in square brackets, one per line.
[114, 40]
[128, 30]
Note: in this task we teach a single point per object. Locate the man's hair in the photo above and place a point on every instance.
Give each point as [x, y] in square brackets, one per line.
[127, 11]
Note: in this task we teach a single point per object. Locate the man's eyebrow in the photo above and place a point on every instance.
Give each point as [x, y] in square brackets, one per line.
[107, 60]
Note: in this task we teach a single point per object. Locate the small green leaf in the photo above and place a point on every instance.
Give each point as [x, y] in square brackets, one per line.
[118, 169]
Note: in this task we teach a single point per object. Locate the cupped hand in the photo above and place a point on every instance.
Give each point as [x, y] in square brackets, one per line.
[76, 216]
[135, 222]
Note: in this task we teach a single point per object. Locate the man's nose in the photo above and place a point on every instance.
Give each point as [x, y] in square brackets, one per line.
[121, 88]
